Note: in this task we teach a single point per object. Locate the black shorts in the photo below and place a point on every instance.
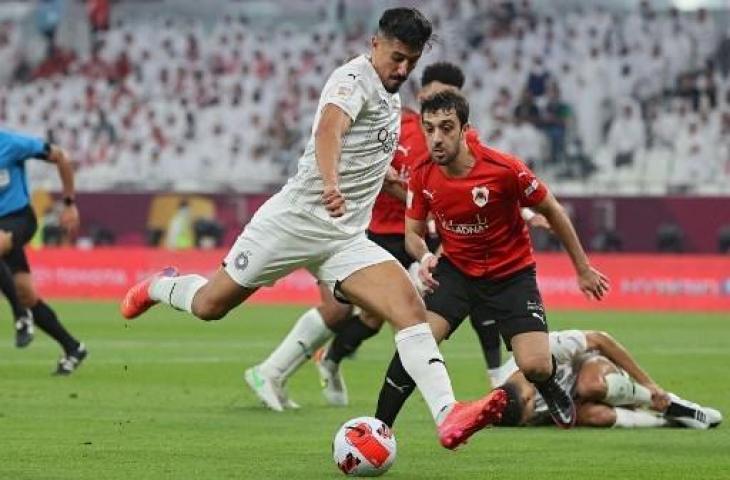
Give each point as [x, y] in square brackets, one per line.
[395, 244]
[514, 303]
[23, 225]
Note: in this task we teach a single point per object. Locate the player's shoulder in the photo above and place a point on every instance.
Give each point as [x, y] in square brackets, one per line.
[355, 70]
[501, 160]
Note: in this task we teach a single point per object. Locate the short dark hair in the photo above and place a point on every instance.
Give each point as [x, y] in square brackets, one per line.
[447, 100]
[512, 413]
[444, 72]
[407, 25]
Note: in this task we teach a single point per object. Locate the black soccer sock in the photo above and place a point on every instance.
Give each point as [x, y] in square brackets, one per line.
[7, 286]
[349, 339]
[397, 387]
[549, 388]
[47, 321]
[489, 339]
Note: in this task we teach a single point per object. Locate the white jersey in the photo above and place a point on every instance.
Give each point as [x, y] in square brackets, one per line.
[568, 347]
[367, 148]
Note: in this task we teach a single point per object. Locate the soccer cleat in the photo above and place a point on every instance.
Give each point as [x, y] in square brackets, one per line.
[266, 388]
[137, 300]
[467, 418]
[691, 415]
[24, 330]
[71, 361]
[285, 401]
[560, 404]
[331, 379]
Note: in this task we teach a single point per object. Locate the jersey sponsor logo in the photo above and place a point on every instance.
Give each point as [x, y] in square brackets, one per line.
[241, 261]
[480, 195]
[534, 185]
[478, 227]
[389, 140]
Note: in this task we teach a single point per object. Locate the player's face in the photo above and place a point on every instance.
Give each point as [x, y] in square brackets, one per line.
[444, 134]
[393, 61]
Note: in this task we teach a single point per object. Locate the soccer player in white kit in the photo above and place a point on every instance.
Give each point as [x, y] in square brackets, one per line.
[609, 386]
[318, 221]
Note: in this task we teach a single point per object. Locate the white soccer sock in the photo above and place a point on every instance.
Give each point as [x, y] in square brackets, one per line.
[626, 418]
[308, 334]
[621, 390]
[423, 361]
[177, 292]
[494, 374]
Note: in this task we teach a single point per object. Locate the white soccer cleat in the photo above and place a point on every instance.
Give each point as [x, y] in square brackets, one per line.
[692, 415]
[330, 377]
[266, 388]
[285, 400]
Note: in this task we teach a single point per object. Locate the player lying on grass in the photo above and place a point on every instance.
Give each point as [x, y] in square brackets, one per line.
[609, 387]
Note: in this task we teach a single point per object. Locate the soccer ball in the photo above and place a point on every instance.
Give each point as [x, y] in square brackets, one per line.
[364, 447]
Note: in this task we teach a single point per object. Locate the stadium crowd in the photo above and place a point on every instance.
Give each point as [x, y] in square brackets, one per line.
[638, 102]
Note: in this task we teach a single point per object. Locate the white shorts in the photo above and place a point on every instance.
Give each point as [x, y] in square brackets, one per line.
[279, 240]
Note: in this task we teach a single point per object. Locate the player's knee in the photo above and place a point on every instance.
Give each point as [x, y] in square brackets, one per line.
[334, 315]
[208, 310]
[591, 388]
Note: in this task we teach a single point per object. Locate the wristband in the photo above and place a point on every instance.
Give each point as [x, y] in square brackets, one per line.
[426, 256]
[69, 201]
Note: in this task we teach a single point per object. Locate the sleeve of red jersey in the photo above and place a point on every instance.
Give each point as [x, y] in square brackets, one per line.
[530, 189]
[416, 206]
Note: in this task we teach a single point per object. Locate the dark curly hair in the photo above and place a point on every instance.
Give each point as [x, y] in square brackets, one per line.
[445, 101]
[444, 72]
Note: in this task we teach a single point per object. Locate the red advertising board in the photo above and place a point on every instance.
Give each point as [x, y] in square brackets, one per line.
[638, 282]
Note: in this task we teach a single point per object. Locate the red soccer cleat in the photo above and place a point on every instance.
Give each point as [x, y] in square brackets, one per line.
[467, 418]
[137, 300]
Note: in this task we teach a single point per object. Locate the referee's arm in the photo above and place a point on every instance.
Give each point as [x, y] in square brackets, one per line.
[70, 215]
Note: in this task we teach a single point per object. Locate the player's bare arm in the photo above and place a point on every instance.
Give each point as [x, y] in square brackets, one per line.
[618, 354]
[592, 283]
[70, 215]
[417, 248]
[333, 124]
[393, 185]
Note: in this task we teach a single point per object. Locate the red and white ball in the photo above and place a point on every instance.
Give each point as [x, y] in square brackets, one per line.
[364, 447]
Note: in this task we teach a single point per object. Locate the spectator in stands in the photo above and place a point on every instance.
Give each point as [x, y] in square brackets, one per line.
[526, 109]
[538, 78]
[626, 136]
[554, 122]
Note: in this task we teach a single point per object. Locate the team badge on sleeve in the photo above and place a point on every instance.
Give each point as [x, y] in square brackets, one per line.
[480, 195]
[344, 90]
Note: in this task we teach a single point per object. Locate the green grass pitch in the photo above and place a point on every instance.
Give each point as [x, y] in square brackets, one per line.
[163, 398]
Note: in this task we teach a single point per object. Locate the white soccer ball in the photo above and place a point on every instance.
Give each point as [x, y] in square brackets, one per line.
[364, 447]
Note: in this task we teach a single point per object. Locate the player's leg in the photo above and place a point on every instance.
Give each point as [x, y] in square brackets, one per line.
[486, 329]
[523, 326]
[357, 329]
[447, 306]
[600, 415]
[46, 319]
[354, 331]
[383, 288]
[398, 384]
[269, 248]
[600, 380]
[23, 319]
[313, 328]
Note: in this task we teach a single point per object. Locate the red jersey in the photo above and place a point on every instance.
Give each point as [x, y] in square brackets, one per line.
[389, 212]
[478, 216]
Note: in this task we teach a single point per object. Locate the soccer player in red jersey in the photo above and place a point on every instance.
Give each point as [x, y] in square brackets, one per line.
[475, 194]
